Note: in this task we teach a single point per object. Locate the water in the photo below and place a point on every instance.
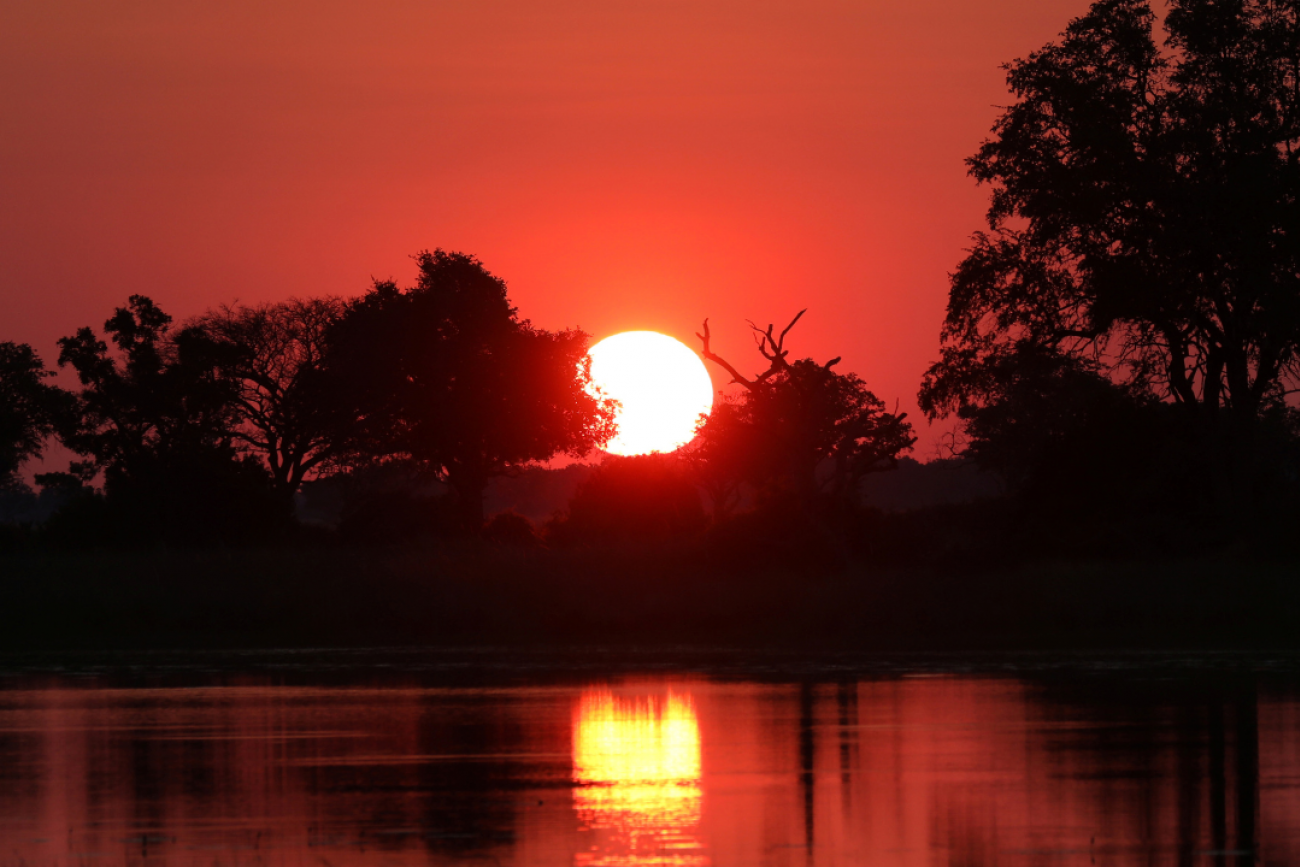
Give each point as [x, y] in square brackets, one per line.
[584, 759]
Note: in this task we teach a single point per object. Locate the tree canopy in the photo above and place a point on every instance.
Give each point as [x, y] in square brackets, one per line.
[274, 356]
[445, 373]
[640, 498]
[1144, 212]
[156, 414]
[798, 424]
[29, 408]
[161, 392]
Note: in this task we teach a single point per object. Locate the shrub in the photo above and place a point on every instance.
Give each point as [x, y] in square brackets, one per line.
[643, 498]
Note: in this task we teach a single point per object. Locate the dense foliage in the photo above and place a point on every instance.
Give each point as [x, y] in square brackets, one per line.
[156, 415]
[1144, 225]
[445, 373]
[274, 356]
[645, 498]
[29, 408]
[797, 426]
[1120, 345]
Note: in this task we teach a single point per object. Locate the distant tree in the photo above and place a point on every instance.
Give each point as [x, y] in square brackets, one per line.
[19, 505]
[637, 498]
[274, 354]
[1059, 432]
[162, 392]
[796, 420]
[722, 455]
[446, 374]
[1145, 216]
[157, 415]
[537, 493]
[29, 408]
[512, 529]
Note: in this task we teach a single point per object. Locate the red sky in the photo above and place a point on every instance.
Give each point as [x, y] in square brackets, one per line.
[623, 164]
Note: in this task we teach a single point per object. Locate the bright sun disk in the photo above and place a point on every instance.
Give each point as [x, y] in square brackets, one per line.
[662, 385]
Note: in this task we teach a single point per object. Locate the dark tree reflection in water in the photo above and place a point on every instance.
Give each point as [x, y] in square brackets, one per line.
[665, 770]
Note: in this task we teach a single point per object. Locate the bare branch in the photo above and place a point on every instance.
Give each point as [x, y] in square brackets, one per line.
[718, 359]
[770, 345]
[797, 317]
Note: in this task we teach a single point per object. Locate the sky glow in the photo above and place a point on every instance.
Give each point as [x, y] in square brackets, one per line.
[623, 165]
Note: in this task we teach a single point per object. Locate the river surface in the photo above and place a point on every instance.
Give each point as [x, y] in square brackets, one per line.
[590, 758]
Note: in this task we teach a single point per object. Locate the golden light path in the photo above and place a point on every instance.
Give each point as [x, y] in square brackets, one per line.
[637, 761]
[662, 385]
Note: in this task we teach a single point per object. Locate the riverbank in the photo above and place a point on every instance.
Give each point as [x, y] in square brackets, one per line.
[475, 593]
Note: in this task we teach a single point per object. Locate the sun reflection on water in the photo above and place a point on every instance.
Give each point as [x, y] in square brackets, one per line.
[637, 761]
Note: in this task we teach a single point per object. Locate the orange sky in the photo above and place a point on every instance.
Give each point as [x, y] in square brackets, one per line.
[634, 164]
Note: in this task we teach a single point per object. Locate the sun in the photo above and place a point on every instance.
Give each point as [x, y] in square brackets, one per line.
[661, 384]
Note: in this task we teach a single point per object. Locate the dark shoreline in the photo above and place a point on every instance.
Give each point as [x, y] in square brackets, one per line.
[654, 597]
[492, 668]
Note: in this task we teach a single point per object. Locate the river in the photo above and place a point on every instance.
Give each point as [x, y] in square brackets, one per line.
[690, 758]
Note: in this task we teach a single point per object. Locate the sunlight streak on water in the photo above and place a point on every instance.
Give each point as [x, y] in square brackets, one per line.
[638, 762]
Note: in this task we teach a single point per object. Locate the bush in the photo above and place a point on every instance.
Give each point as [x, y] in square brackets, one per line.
[645, 498]
[512, 529]
[192, 498]
[386, 517]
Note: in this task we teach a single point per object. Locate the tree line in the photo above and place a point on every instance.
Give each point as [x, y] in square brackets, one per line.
[207, 429]
[215, 423]
[1122, 340]
[1125, 332]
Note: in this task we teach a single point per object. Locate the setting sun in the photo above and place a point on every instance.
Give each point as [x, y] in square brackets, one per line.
[662, 387]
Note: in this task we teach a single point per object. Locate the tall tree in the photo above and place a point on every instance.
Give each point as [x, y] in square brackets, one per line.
[29, 408]
[274, 355]
[1145, 213]
[797, 419]
[722, 455]
[156, 413]
[160, 392]
[445, 373]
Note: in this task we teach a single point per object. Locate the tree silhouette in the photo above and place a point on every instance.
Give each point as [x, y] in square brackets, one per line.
[164, 392]
[275, 353]
[29, 408]
[645, 498]
[1145, 214]
[802, 425]
[157, 416]
[723, 454]
[446, 374]
[1065, 438]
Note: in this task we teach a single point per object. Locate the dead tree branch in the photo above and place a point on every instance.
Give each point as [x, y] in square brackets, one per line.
[719, 360]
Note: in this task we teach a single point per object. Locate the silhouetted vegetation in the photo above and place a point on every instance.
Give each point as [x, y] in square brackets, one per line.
[459, 594]
[445, 374]
[512, 529]
[156, 416]
[798, 426]
[1118, 355]
[948, 481]
[394, 502]
[1142, 265]
[30, 408]
[648, 498]
[274, 356]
